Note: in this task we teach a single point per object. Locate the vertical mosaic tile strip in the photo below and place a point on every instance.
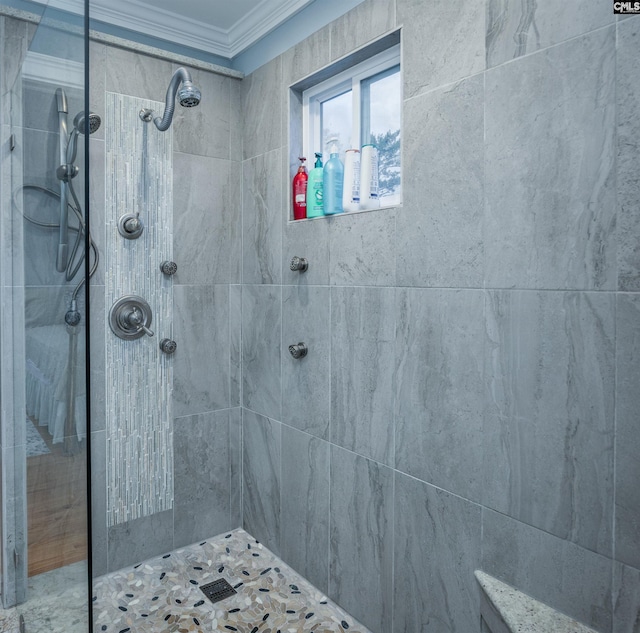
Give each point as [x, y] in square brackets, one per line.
[139, 179]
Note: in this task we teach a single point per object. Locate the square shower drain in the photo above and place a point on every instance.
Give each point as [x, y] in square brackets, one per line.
[218, 590]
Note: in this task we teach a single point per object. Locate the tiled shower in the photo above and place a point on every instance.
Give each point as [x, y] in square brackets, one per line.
[470, 397]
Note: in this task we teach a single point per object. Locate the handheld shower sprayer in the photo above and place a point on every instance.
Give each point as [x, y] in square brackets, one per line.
[188, 96]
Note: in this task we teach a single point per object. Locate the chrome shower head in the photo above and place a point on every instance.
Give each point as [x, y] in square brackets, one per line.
[80, 122]
[188, 95]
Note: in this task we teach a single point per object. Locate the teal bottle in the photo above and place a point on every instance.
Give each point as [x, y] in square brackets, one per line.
[315, 206]
[332, 183]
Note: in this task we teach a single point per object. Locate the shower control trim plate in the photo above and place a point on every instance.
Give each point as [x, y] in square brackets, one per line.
[130, 318]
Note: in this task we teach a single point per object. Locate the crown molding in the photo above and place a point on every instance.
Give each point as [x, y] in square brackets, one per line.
[166, 25]
[53, 70]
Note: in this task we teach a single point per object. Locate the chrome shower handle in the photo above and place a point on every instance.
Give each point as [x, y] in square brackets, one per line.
[136, 319]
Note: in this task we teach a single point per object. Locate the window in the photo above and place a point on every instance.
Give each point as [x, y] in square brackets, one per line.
[360, 106]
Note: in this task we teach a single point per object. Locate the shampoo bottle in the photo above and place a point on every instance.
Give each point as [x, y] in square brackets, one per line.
[314, 190]
[300, 192]
[332, 182]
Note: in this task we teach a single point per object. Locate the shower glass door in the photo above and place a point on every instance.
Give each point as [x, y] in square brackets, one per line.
[45, 261]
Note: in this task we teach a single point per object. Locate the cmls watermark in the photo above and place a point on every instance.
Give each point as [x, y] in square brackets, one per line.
[626, 7]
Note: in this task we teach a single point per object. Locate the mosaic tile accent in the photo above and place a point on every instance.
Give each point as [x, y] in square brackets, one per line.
[139, 179]
[163, 594]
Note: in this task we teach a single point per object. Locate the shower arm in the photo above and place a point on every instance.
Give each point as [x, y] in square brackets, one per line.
[181, 75]
[63, 239]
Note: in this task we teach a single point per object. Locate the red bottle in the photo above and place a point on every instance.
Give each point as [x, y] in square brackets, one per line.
[300, 192]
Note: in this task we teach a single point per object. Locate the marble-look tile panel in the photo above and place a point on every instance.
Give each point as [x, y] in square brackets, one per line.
[262, 105]
[548, 428]
[98, 66]
[549, 167]
[236, 120]
[304, 510]
[362, 250]
[96, 211]
[40, 106]
[627, 468]
[555, 571]
[308, 239]
[365, 22]
[99, 534]
[626, 599]
[362, 377]
[437, 549]
[204, 130]
[130, 73]
[137, 540]
[515, 28]
[201, 362]
[442, 42]
[439, 229]
[305, 58]
[628, 149]
[262, 219]
[440, 393]
[261, 349]
[235, 345]
[361, 542]
[207, 240]
[15, 42]
[235, 457]
[306, 382]
[261, 456]
[202, 476]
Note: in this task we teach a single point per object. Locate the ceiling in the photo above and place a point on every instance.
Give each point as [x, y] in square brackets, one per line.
[221, 27]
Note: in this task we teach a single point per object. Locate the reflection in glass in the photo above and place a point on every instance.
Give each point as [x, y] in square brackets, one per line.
[336, 123]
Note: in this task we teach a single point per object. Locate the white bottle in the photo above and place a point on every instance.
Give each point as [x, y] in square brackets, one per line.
[369, 177]
[351, 189]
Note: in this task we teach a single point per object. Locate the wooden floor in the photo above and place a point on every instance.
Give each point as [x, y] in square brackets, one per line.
[57, 501]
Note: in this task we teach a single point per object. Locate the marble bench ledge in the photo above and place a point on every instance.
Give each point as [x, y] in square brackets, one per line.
[507, 610]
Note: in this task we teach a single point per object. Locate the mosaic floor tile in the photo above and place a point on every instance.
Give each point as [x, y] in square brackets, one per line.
[163, 594]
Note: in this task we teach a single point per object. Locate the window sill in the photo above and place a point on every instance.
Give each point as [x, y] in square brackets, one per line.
[346, 213]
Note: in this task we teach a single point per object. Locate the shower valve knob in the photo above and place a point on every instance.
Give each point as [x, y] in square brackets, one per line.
[130, 226]
[299, 263]
[298, 351]
[169, 268]
[168, 346]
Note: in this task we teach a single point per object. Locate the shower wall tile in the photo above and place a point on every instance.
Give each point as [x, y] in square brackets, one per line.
[262, 105]
[202, 479]
[137, 540]
[362, 249]
[40, 107]
[362, 384]
[627, 475]
[235, 345]
[207, 194]
[99, 534]
[15, 36]
[204, 130]
[262, 219]
[97, 65]
[548, 428]
[442, 42]
[306, 57]
[439, 228]
[628, 148]
[437, 549]
[361, 533]
[626, 599]
[261, 451]
[261, 349]
[201, 363]
[235, 456]
[550, 200]
[561, 574]
[365, 22]
[517, 28]
[306, 382]
[310, 240]
[131, 73]
[236, 120]
[439, 382]
[97, 209]
[304, 511]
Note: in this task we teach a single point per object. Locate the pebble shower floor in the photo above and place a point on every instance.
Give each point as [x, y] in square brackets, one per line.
[163, 594]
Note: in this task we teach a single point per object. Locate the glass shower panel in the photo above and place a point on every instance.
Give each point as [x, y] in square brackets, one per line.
[44, 504]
